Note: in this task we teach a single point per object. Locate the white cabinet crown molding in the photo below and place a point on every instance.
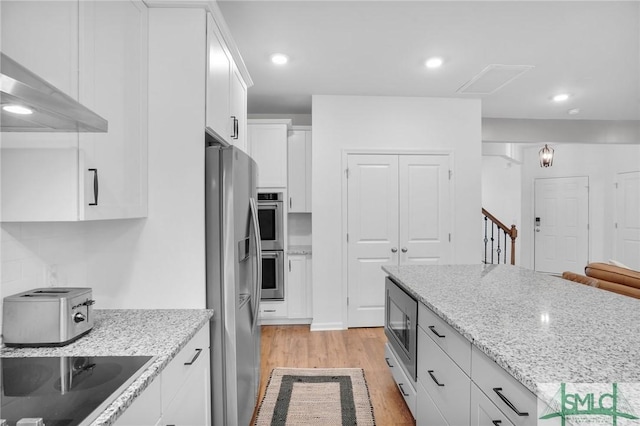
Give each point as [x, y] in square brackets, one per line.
[286, 121]
[212, 7]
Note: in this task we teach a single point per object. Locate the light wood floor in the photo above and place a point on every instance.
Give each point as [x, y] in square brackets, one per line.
[296, 346]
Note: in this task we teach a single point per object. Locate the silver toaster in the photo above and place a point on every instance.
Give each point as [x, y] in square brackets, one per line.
[51, 316]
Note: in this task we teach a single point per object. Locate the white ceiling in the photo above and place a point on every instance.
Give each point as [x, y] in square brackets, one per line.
[586, 48]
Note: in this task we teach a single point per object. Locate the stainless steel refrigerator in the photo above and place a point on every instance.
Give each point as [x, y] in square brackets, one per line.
[233, 283]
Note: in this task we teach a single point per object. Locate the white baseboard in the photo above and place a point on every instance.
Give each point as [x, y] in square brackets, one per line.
[285, 321]
[326, 326]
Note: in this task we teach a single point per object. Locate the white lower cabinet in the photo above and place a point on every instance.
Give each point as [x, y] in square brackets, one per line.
[459, 385]
[427, 412]
[484, 412]
[296, 308]
[269, 310]
[510, 396]
[447, 385]
[298, 286]
[406, 385]
[181, 395]
[145, 410]
[186, 390]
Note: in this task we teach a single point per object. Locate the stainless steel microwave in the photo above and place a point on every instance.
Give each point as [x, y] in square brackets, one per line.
[271, 219]
[400, 326]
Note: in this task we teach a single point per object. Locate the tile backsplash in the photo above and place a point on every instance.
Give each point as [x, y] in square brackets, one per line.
[41, 255]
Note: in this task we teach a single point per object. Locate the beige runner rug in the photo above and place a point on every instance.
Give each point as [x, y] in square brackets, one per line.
[316, 396]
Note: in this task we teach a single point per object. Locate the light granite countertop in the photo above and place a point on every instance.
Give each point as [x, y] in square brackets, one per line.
[539, 328]
[298, 249]
[160, 333]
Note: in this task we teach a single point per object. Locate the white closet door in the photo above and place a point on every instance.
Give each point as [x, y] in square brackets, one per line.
[373, 234]
[627, 240]
[424, 214]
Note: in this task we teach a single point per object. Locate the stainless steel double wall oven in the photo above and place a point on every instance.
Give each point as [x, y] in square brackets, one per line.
[271, 218]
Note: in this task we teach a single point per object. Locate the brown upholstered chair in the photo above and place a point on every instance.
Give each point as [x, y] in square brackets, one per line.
[608, 277]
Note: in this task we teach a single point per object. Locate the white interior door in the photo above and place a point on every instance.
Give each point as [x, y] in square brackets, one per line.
[372, 222]
[561, 224]
[424, 214]
[627, 244]
[398, 213]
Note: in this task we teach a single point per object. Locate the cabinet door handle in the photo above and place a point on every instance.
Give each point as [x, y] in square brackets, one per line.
[404, 249]
[198, 352]
[95, 187]
[290, 202]
[496, 422]
[434, 378]
[402, 390]
[394, 250]
[234, 135]
[509, 403]
[434, 331]
[289, 265]
[388, 363]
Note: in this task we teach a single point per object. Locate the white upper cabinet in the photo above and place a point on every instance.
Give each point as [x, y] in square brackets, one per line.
[218, 82]
[238, 110]
[101, 60]
[113, 80]
[43, 37]
[226, 102]
[267, 145]
[299, 170]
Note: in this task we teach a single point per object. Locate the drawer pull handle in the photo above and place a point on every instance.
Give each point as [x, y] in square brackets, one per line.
[509, 403]
[434, 331]
[434, 378]
[496, 422]
[198, 351]
[388, 363]
[402, 390]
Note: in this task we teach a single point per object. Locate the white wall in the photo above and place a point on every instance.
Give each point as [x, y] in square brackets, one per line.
[299, 229]
[390, 123]
[600, 163]
[157, 262]
[501, 193]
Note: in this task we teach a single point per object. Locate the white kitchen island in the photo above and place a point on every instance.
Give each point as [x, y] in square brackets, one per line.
[534, 329]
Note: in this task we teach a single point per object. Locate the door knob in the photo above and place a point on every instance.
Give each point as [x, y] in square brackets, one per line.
[404, 249]
[394, 250]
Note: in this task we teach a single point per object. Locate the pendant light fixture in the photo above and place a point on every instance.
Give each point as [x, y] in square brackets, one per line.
[546, 156]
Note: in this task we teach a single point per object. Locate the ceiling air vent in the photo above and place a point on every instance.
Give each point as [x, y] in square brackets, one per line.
[492, 78]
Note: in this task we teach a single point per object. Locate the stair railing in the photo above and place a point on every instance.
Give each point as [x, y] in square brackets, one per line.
[492, 234]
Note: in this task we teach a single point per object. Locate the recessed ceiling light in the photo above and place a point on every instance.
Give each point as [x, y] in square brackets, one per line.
[17, 109]
[573, 111]
[279, 58]
[434, 62]
[561, 97]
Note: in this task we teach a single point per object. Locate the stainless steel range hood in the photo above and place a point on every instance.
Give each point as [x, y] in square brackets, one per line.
[52, 110]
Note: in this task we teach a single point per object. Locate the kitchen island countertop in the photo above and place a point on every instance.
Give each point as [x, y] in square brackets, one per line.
[539, 328]
[160, 333]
